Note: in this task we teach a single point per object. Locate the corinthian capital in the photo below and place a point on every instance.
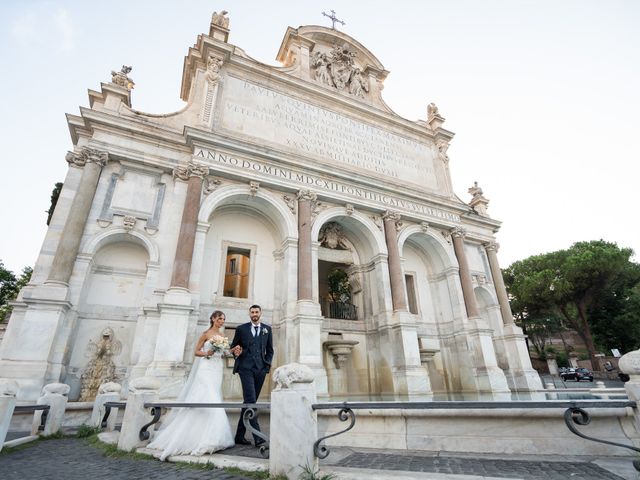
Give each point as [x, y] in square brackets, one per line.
[87, 155]
[93, 155]
[307, 195]
[391, 215]
[492, 247]
[458, 232]
[73, 158]
[191, 169]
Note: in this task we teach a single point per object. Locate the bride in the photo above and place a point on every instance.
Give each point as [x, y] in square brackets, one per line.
[196, 431]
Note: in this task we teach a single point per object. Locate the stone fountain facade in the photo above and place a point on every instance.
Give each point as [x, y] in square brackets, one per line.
[166, 217]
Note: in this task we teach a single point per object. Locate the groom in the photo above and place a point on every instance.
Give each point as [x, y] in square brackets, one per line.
[253, 348]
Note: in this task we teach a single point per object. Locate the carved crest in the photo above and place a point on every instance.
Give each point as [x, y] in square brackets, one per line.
[332, 236]
[214, 64]
[128, 222]
[337, 69]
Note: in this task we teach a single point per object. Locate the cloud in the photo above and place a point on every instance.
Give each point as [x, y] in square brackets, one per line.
[44, 25]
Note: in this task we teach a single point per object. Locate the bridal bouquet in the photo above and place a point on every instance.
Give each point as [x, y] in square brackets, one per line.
[217, 344]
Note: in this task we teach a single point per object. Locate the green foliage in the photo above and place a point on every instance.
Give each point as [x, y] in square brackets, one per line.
[339, 288]
[260, 475]
[10, 285]
[112, 451]
[563, 359]
[586, 287]
[54, 436]
[17, 448]
[310, 474]
[55, 195]
[85, 431]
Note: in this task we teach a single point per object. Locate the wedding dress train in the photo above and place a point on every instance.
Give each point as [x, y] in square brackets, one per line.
[196, 431]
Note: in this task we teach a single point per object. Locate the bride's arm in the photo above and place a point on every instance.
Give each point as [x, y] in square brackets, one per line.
[198, 352]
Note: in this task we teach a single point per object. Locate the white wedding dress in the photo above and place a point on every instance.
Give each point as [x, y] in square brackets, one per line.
[197, 431]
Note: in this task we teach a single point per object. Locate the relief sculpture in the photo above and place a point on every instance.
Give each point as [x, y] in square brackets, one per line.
[337, 69]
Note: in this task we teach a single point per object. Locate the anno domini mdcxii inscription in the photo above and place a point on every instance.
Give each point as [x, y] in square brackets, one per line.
[314, 131]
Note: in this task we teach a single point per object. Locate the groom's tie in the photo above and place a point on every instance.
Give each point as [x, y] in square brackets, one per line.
[255, 330]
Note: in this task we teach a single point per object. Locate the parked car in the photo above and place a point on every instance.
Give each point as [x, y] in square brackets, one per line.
[577, 374]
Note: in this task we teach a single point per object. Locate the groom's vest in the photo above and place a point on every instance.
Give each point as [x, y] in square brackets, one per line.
[254, 354]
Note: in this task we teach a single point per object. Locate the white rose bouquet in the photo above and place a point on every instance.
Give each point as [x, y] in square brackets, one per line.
[216, 344]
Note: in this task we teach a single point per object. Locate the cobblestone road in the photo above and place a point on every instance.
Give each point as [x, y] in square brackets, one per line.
[527, 470]
[75, 459]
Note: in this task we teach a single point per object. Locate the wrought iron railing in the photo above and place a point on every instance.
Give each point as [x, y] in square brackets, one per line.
[250, 411]
[33, 408]
[575, 413]
[339, 310]
[29, 409]
[107, 411]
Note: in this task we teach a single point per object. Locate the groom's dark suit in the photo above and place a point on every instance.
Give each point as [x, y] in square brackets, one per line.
[252, 365]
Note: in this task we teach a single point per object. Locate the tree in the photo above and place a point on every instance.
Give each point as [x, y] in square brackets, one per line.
[536, 314]
[339, 288]
[10, 286]
[574, 283]
[55, 195]
[615, 318]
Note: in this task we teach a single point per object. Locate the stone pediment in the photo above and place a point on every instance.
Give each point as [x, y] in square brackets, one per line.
[333, 60]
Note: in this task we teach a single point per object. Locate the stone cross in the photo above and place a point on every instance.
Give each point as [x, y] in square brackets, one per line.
[334, 19]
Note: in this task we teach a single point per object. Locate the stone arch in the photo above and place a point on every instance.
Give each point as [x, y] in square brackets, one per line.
[267, 204]
[485, 297]
[366, 270]
[119, 234]
[431, 244]
[118, 268]
[358, 223]
[489, 310]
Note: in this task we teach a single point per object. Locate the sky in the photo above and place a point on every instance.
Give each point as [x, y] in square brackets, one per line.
[543, 97]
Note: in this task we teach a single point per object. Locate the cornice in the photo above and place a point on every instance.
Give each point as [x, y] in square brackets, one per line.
[131, 126]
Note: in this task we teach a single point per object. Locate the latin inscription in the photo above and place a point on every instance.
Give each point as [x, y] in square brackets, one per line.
[317, 132]
[318, 182]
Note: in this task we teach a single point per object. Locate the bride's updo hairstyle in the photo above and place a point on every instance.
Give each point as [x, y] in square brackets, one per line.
[214, 315]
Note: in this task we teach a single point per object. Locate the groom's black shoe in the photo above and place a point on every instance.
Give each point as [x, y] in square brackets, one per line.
[259, 443]
[242, 441]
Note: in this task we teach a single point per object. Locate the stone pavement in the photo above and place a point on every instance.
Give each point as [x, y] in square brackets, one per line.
[76, 459]
[72, 459]
[477, 466]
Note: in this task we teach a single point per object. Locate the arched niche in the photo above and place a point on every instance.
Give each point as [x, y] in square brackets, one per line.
[359, 245]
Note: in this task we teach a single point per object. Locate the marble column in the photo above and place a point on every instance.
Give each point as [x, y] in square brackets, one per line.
[398, 289]
[304, 329]
[194, 175]
[45, 306]
[470, 302]
[177, 305]
[92, 161]
[498, 282]
[488, 376]
[511, 343]
[306, 203]
[398, 332]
